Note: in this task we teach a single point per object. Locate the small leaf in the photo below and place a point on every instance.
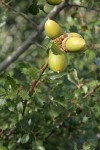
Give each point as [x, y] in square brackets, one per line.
[11, 95]
[97, 61]
[53, 77]
[70, 78]
[90, 55]
[75, 75]
[41, 7]
[25, 138]
[86, 147]
[97, 22]
[34, 8]
[38, 145]
[2, 101]
[85, 88]
[20, 107]
[2, 147]
[73, 29]
[75, 147]
[55, 48]
[11, 82]
[23, 94]
[61, 104]
[32, 72]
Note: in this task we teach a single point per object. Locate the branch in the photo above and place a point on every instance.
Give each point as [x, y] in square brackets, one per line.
[34, 83]
[91, 91]
[32, 38]
[76, 5]
[20, 13]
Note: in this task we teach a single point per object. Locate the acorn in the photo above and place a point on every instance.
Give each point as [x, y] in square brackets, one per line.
[54, 2]
[57, 62]
[52, 29]
[74, 44]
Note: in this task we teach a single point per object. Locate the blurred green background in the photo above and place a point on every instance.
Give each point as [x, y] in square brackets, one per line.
[60, 115]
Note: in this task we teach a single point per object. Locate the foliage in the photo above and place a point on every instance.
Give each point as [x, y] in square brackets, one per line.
[62, 112]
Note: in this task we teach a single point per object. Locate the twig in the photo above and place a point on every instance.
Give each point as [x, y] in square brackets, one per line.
[20, 13]
[50, 134]
[11, 131]
[76, 5]
[31, 39]
[91, 91]
[34, 83]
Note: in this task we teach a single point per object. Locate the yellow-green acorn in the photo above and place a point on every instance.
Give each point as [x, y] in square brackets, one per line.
[54, 2]
[73, 34]
[74, 44]
[52, 29]
[57, 62]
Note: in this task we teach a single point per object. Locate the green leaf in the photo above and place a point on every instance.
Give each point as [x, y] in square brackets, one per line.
[97, 110]
[23, 94]
[11, 94]
[38, 145]
[25, 138]
[75, 147]
[97, 22]
[97, 61]
[55, 48]
[61, 103]
[90, 55]
[20, 107]
[11, 82]
[2, 147]
[57, 76]
[11, 146]
[32, 72]
[73, 29]
[75, 75]
[86, 146]
[34, 8]
[2, 102]
[85, 88]
[71, 79]
[41, 7]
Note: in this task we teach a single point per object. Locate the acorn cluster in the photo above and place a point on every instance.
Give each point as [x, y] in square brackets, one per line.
[61, 44]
